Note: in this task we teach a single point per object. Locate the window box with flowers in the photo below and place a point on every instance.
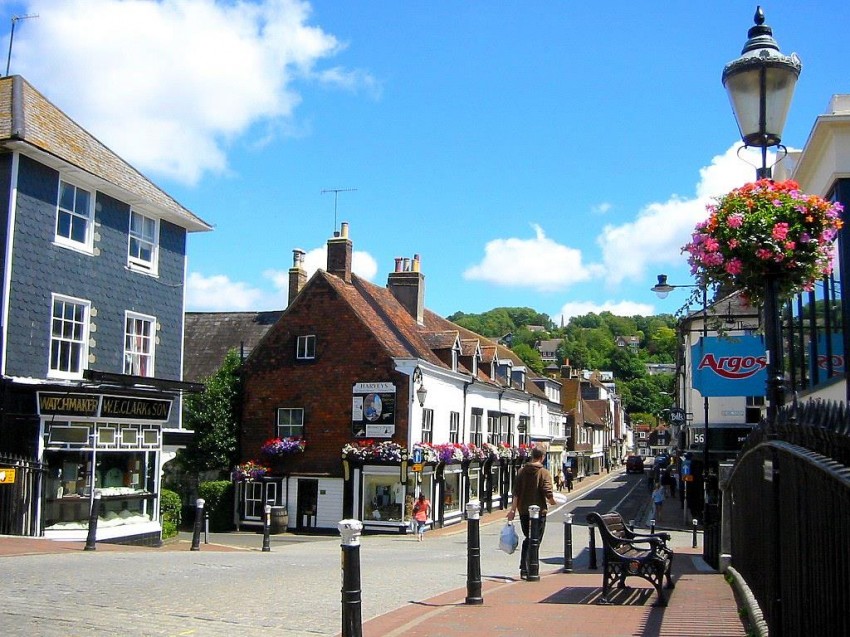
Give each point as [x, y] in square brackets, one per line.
[765, 233]
[279, 448]
[248, 471]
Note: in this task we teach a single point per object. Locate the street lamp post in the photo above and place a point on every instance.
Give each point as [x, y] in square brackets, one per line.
[662, 289]
[761, 84]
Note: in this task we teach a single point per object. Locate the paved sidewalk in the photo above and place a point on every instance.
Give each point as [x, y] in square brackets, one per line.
[703, 604]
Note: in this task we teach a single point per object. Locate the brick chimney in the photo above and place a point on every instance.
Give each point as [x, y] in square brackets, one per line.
[408, 286]
[339, 254]
[297, 273]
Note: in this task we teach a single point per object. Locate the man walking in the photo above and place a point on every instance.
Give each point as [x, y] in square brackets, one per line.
[533, 486]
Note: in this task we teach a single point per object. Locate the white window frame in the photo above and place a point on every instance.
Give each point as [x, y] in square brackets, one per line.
[454, 427]
[139, 238]
[428, 425]
[134, 344]
[63, 341]
[305, 347]
[287, 430]
[86, 215]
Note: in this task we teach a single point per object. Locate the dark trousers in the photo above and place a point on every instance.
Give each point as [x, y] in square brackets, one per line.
[525, 525]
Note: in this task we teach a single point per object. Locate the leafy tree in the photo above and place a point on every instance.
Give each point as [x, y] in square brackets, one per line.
[214, 417]
[529, 356]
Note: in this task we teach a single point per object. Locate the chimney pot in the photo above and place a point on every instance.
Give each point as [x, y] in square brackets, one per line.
[344, 229]
[398, 264]
[416, 263]
[406, 265]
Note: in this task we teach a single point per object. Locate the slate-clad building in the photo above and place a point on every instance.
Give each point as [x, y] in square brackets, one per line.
[94, 259]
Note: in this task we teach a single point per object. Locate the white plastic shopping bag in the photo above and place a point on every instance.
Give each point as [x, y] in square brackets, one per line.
[508, 539]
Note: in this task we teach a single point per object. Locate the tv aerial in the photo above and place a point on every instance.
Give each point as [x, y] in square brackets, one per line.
[336, 192]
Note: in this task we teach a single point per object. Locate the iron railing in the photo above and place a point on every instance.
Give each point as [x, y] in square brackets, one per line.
[19, 499]
[789, 503]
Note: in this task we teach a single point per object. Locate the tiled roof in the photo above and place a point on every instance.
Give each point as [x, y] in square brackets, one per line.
[441, 340]
[210, 335]
[30, 123]
[469, 346]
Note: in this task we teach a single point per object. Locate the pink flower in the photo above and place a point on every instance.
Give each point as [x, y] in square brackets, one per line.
[780, 231]
[735, 221]
[764, 254]
[734, 266]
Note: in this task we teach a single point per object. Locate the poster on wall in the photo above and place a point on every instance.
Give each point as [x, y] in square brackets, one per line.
[373, 410]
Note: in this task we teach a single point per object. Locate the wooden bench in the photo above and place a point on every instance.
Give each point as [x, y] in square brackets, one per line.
[628, 553]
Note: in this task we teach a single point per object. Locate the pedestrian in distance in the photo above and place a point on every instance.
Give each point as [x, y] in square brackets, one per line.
[421, 511]
[568, 477]
[533, 486]
[658, 499]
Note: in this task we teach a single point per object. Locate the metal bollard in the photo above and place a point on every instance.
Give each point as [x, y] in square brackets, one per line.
[196, 530]
[349, 530]
[473, 554]
[652, 525]
[267, 524]
[694, 522]
[592, 547]
[91, 538]
[534, 544]
[206, 526]
[568, 542]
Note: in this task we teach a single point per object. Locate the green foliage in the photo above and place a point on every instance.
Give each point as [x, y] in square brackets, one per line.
[218, 502]
[589, 342]
[530, 357]
[213, 416]
[170, 511]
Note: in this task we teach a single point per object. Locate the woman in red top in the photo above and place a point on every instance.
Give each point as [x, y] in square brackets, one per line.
[421, 511]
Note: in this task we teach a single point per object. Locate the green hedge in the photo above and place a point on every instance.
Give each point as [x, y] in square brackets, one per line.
[170, 509]
[218, 502]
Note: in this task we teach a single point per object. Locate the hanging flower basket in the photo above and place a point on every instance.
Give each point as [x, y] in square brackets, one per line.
[249, 471]
[764, 231]
[372, 451]
[277, 448]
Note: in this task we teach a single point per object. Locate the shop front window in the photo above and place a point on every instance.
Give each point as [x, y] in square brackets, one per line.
[474, 486]
[383, 497]
[451, 493]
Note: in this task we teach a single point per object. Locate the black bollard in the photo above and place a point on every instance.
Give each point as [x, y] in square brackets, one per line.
[694, 523]
[351, 618]
[534, 544]
[267, 523]
[91, 538]
[652, 525]
[199, 521]
[592, 547]
[473, 554]
[568, 542]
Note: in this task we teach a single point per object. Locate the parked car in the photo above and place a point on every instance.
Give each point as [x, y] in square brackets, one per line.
[634, 464]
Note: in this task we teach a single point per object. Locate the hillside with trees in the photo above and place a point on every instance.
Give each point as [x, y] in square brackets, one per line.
[590, 342]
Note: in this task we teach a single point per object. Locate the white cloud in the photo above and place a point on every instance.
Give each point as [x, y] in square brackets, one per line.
[170, 84]
[538, 263]
[619, 308]
[655, 237]
[218, 293]
[601, 208]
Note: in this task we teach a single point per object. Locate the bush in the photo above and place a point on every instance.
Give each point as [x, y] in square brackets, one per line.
[218, 502]
[170, 508]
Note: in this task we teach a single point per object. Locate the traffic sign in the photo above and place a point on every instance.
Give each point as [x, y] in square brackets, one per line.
[688, 478]
[417, 467]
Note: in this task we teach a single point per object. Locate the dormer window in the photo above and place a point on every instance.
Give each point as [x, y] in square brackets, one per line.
[306, 347]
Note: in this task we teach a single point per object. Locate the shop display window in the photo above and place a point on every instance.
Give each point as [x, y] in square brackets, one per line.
[417, 483]
[474, 486]
[451, 492]
[126, 481]
[383, 497]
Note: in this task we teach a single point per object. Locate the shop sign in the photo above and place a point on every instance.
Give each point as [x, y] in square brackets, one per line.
[735, 366]
[137, 408]
[373, 410]
[7, 476]
[79, 405]
[95, 405]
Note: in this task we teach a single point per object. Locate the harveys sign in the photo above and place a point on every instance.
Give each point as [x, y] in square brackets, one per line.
[731, 366]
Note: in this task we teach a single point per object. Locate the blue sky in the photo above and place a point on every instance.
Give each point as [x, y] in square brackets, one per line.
[554, 155]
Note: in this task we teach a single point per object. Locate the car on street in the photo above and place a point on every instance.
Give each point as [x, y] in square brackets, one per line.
[634, 464]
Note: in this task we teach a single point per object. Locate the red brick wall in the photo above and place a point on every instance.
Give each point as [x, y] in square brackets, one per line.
[346, 353]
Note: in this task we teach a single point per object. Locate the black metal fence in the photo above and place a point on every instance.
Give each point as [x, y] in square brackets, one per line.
[19, 495]
[790, 519]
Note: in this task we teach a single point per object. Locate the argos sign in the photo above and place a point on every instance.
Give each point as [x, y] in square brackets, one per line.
[731, 366]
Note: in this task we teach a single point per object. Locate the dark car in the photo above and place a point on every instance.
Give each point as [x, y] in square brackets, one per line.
[634, 464]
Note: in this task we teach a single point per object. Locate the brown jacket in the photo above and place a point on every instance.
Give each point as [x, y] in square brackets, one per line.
[533, 485]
